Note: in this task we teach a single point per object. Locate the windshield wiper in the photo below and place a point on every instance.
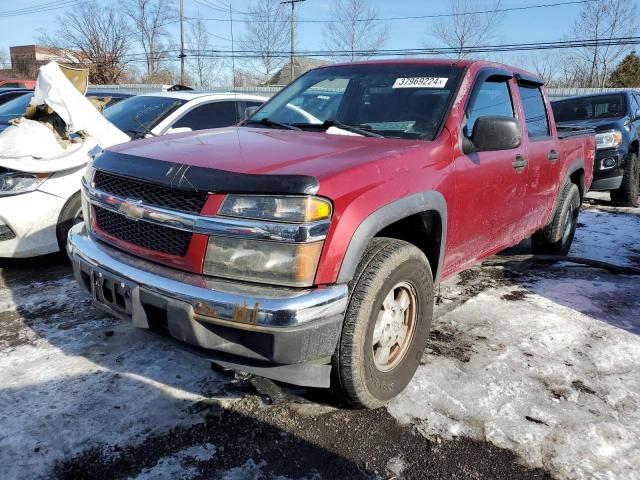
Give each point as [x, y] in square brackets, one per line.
[350, 128]
[271, 123]
[144, 127]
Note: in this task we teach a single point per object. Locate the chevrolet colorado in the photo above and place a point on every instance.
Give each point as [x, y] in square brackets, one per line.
[305, 248]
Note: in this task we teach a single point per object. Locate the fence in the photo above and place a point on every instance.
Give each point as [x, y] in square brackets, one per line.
[138, 88]
[554, 93]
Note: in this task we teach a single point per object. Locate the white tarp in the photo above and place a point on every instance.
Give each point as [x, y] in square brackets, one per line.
[29, 147]
[55, 89]
[29, 134]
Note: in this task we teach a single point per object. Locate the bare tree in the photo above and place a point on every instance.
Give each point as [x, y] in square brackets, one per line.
[267, 34]
[204, 70]
[603, 21]
[150, 19]
[93, 36]
[355, 32]
[546, 65]
[468, 26]
[5, 60]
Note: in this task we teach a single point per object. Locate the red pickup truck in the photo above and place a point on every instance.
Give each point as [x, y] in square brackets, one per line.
[304, 244]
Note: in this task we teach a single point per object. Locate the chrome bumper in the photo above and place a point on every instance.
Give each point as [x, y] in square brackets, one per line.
[237, 303]
[279, 328]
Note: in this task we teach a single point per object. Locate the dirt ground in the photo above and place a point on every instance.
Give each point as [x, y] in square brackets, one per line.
[83, 395]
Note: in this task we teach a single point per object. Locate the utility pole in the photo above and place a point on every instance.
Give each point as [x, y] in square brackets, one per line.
[182, 55]
[233, 53]
[293, 31]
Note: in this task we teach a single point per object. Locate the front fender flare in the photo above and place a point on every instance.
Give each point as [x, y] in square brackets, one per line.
[385, 216]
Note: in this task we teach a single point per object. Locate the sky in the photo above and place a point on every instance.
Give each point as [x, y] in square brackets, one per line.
[533, 25]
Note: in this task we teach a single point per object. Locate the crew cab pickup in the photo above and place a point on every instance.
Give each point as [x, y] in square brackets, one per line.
[304, 246]
[615, 117]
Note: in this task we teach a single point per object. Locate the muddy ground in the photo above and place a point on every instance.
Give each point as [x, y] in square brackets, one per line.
[88, 396]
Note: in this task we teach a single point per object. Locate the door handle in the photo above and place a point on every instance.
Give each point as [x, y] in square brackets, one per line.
[553, 156]
[519, 163]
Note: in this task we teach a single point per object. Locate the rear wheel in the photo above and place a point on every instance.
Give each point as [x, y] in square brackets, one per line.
[386, 324]
[627, 194]
[70, 215]
[557, 237]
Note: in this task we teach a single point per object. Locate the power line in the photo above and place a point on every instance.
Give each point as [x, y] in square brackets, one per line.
[172, 54]
[42, 7]
[412, 17]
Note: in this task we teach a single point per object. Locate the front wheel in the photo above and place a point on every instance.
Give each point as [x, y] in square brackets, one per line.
[557, 237]
[627, 194]
[386, 325]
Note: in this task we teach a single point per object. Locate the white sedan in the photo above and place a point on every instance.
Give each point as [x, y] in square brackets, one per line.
[39, 204]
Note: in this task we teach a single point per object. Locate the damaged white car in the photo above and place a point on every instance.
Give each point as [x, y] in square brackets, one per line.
[42, 159]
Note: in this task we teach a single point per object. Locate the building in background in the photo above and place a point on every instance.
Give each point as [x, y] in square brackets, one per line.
[26, 59]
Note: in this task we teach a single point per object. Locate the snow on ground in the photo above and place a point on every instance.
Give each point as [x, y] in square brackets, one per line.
[542, 361]
[88, 381]
[548, 367]
[179, 465]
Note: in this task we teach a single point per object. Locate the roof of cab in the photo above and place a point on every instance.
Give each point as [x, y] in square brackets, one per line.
[434, 61]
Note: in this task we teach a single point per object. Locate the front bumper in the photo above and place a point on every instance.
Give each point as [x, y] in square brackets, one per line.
[282, 333]
[28, 224]
[608, 178]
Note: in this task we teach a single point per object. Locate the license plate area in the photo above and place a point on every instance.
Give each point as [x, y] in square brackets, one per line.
[111, 291]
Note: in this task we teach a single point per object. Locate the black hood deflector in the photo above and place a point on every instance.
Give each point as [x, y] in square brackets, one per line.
[201, 179]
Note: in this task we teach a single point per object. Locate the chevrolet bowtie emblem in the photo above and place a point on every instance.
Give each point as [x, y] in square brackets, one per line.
[132, 209]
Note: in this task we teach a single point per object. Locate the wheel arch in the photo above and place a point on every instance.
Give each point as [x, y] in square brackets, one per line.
[420, 219]
[575, 174]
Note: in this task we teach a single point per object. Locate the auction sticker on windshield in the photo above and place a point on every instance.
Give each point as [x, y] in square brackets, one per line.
[420, 82]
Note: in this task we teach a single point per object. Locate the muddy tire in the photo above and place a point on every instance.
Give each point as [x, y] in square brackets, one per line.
[386, 325]
[627, 194]
[556, 238]
[70, 215]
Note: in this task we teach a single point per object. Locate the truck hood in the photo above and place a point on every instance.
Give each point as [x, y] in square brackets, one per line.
[246, 150]
[598, 124]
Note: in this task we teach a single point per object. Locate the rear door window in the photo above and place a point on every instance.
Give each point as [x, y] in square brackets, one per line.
[493, 100]
[535, 112]
[209, 115]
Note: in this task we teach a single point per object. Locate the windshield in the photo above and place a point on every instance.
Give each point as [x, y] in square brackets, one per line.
[14, 108]
[128, 114]
[589, 108]
[394, 101]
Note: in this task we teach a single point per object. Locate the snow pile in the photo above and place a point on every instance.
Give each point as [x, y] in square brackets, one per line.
[82, 379]
[551, 372]
[179, 465]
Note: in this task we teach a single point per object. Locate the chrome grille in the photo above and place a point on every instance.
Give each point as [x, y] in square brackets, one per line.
[150, 193]
[143, 234]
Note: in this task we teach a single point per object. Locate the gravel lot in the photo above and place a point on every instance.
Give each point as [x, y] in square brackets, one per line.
[531, 372]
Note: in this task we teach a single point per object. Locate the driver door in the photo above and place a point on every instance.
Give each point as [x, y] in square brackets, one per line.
[490, 186]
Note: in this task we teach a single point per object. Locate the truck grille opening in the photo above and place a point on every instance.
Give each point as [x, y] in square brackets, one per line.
[143, 234]
[149, 193]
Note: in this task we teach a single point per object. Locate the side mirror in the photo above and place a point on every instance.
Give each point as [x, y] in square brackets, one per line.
[493, 133]
[250, 111]
[177, 130]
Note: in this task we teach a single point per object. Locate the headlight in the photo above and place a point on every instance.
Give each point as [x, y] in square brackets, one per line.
[608, 139]
[277, 263]
[14, 183]
[276, 208]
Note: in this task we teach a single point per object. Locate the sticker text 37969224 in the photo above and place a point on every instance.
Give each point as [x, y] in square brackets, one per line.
[420, 82]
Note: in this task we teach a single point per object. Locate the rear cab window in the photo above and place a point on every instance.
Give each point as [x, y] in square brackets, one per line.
[535, 112]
